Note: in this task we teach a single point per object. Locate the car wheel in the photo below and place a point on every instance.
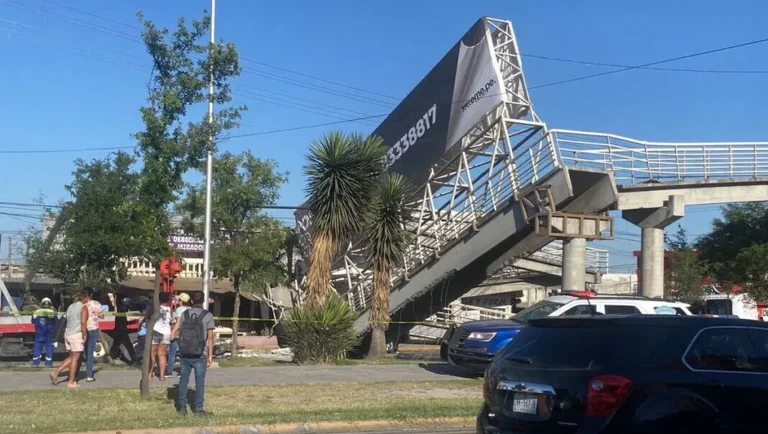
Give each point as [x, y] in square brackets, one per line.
[101, 349]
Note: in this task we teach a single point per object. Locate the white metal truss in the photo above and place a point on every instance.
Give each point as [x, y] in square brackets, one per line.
[511, 149]
[505, 152]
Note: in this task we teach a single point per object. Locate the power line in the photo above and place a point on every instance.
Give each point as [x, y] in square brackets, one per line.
[62, 151]
[318, 78]
[649, 68]
[304, 127]
[93, 15]
[72, 20]
[659, 62]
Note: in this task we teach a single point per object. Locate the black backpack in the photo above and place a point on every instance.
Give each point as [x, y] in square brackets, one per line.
[192, 335]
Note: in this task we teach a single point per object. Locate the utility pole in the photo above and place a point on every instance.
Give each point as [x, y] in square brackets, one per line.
[209, 170]
[10, 256]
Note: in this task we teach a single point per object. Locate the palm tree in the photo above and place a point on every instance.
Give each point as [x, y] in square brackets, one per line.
[387, 238]
[342, 173]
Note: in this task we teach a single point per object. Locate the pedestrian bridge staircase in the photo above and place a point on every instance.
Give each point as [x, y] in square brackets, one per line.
[476, 214]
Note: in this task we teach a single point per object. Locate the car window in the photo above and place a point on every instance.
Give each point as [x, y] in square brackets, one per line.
[538, 310]
[581, 347]
[680, 311]
[760, 341]
[580, 310]
[723, 349]
[615, 309]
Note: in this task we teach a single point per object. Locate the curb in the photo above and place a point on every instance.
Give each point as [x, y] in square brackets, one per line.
[459, 424]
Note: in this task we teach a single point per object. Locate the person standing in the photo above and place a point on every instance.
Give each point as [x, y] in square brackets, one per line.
[44, 320]
[174, 347]
[95, 313]
[195, 331]
[161, 337]
[75, 334]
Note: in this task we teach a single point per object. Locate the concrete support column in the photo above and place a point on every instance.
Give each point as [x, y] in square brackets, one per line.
[652, 262]
[652, 222]
[574, 264]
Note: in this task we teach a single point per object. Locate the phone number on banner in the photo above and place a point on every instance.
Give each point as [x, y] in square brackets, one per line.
[412, 137]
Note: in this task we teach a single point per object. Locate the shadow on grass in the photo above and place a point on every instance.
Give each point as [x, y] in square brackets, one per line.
[448, 369]
[172, 394]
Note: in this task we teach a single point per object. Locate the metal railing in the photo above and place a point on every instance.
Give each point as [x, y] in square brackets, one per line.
[636, 161]
[596, 259]
[501, 155]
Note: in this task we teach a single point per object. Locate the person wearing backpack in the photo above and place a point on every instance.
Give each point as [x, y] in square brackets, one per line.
[195, 332]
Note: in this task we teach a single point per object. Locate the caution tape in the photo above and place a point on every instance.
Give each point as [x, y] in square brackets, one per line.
[138, 315]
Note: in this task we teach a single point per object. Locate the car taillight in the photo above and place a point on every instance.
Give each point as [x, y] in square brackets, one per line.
[606, 393]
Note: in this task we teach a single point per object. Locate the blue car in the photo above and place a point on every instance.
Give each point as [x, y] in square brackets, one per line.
[473, 344]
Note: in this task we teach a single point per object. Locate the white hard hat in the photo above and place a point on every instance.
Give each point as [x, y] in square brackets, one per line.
[46, 300]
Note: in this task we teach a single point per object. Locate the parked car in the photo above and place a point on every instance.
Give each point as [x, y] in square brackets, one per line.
[629, 374]
[474, 344]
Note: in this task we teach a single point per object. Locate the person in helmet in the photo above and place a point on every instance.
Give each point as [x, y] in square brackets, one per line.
[44, 320]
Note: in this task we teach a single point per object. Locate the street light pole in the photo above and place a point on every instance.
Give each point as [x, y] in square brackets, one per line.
[209, 172]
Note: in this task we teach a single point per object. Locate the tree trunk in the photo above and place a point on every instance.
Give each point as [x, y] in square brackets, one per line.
[235, 316]
[319, 278]
[145, 374]
[379, 312]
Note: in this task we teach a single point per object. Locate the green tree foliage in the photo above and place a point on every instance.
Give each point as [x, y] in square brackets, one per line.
[684, 269]
[183, 65]
[342, 172]
[170, 143]
[735, 249]
[247, 245]
[386, 240]
[321, 334]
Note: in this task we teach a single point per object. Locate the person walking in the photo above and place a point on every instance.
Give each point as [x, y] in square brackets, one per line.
[161, 337]
[195, 331]
[44, 320]
[174, 347]
[75, 334]
[95, 313]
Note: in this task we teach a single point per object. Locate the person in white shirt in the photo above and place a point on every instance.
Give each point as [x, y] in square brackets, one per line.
[161, 337]
[184, 302]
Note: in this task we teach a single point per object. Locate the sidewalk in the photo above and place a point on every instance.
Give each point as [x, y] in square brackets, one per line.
[10, 381]
[443, 426]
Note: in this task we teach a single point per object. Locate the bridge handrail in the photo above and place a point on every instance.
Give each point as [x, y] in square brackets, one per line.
[635, 161]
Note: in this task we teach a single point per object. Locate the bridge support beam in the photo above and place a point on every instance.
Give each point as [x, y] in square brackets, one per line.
[574, 264]
[652, 222]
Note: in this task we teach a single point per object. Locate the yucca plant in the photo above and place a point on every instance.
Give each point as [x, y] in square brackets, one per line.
[386, 239]
[342, 172]
[321, 334]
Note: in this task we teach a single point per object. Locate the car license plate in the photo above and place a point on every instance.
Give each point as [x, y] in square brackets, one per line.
[524, 403]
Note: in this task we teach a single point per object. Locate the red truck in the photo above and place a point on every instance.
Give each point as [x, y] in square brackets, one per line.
[17, 333]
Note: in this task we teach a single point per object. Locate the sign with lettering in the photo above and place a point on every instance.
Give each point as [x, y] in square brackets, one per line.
[493, 300]
[186, 243]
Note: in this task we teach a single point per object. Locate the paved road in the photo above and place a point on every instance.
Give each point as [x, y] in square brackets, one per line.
[10, 381]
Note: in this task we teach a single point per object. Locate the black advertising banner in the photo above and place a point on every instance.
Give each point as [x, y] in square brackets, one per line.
[454, 96]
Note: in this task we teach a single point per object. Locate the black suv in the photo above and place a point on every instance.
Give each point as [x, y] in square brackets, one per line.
[629, 374]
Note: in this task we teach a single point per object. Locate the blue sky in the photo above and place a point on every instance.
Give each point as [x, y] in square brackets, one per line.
[55, 99]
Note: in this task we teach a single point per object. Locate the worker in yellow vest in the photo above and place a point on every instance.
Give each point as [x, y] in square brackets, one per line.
[44, 320]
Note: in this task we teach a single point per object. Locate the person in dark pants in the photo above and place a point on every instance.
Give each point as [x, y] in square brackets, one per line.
[122, 347]
[184, 301]
[195, 332]
[44, 320]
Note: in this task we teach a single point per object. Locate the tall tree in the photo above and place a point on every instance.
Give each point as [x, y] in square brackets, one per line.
[183, 65]
[386, 239]
[100, 227]
[248, 246]
[732, 250]
[342, 171]
[685, 271]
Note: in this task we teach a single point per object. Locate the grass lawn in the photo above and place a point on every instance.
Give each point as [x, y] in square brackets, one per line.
[58, 410]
